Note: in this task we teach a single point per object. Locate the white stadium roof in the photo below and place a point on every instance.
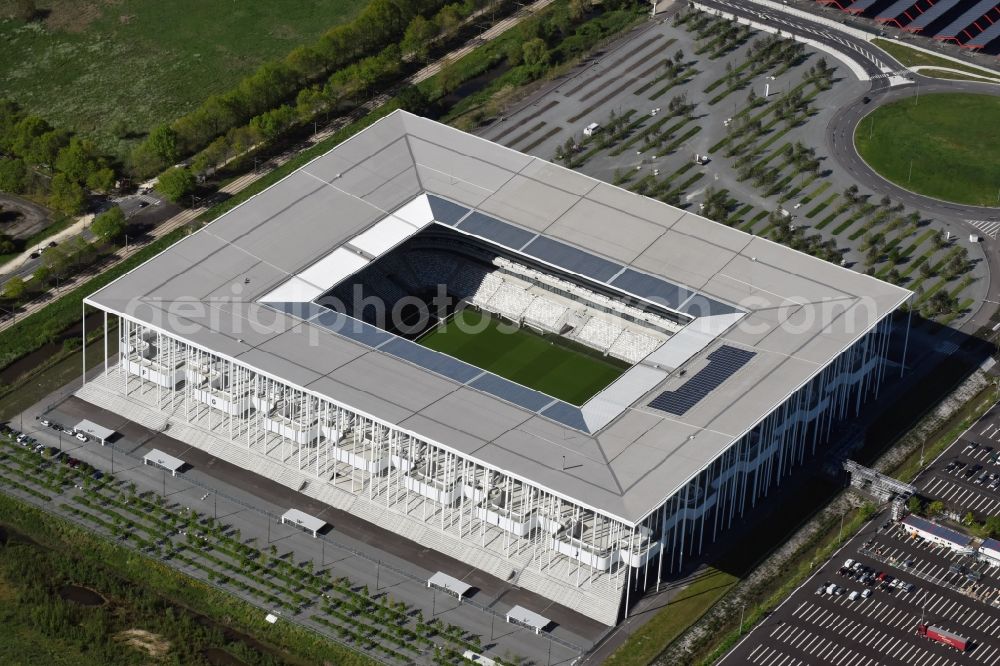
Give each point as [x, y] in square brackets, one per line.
[783, 313]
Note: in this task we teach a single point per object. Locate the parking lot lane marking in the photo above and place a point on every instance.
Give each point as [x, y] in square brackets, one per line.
[762, 653]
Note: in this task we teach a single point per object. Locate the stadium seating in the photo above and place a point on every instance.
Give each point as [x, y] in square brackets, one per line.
[519, 293]
[545, 313]
[633, 346]
[510, 301]
[599, 333]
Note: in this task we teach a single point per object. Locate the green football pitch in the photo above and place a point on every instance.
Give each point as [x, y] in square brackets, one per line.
[547, 364]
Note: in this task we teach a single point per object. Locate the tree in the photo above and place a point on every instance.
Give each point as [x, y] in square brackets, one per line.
[176, 183]
[992, 526]
[13, 175]
[109, 225]
[418, 37]
[66, 195]
[914, 505]
[162, 143]
[271, 124]
[936, 507]
[15, 288]
[578, 9]
[535, 53]
[414, 100]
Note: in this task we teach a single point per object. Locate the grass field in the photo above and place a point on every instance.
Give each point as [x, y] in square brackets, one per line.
[99, 67]
[952, 142]
[523, 356]
[910, 57]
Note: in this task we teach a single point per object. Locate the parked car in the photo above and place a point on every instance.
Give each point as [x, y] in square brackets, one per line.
[80, 436]
[45, 422]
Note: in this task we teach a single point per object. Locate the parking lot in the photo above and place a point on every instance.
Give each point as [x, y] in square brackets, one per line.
[868, 612]
[880, 626]
[966, 477]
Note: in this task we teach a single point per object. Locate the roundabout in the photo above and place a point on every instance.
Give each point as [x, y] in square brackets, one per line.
[943, 145]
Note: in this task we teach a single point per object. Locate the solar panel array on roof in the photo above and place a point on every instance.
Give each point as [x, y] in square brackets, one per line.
[983, 39]
[722, 364]
[446, 212]
[965, 19]
[572, 259]
[934, 13]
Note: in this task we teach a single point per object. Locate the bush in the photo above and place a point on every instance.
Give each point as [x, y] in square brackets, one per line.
[109, 225]
[176, 183]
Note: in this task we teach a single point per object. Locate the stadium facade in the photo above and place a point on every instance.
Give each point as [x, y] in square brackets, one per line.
[246, 340]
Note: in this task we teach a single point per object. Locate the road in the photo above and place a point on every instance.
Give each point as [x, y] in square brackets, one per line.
[884, 87]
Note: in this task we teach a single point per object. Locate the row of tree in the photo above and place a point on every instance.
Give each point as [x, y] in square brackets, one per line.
[38, 159]
[349, 58]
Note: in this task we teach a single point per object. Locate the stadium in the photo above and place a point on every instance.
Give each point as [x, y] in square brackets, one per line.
[566, 385]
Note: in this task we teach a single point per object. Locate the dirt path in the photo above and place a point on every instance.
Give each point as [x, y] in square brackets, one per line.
[32, 217]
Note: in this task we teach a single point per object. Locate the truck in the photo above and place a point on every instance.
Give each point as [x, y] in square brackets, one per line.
[944, 636]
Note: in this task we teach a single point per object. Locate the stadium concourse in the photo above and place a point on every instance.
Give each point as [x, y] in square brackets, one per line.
[285, 338]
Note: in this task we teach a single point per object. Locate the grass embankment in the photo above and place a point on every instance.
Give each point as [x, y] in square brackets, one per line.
[942, 145]
[100, 67]
[184, 618]
[910, 57]
[694, 601]
[544, 363]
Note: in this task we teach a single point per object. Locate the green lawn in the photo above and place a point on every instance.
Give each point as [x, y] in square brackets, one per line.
[952, 141]
[544, 363]
[910, 57]
[91, 65]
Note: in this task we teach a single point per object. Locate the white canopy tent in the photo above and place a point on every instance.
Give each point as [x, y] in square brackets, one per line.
[164, 461]
[449, 584]
[527, 618]
[96, 431]
[303, 521]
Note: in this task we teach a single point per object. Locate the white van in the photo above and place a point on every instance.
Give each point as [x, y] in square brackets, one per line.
[591, 129]
[831, 589]
[853, 596]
